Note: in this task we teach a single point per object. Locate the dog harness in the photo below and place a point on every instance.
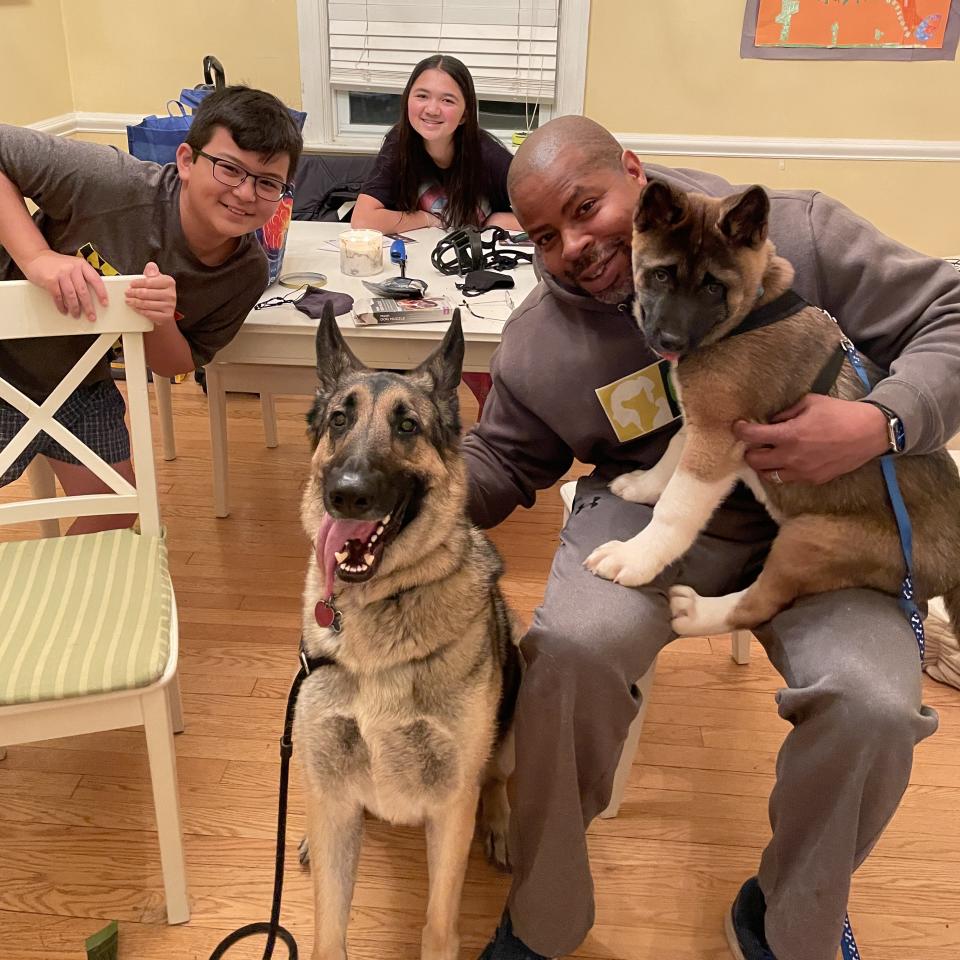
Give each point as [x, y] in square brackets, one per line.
[786, 305]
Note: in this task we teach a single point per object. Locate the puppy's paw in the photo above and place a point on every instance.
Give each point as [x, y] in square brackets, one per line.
[638, 486]
[625, 562]
[694, 616]
[303, 852]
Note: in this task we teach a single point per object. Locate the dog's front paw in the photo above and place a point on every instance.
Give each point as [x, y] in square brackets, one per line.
[638, 486]
[623, 562]
[439, 945]
[695, 616]
[496, 849]
[303, 852]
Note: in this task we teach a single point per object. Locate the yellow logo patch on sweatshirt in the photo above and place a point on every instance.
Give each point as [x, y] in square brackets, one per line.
[640, 402]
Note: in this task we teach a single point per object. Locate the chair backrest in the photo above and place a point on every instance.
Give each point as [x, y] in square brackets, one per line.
[326, 182]
[28, 311]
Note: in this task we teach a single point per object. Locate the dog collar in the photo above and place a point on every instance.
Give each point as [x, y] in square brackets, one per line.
[310, 664]
[786, 305]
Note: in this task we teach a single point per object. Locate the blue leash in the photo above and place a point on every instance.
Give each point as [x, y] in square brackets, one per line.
[848, 945]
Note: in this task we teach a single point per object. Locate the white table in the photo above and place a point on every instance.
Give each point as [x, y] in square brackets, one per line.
[274, 352]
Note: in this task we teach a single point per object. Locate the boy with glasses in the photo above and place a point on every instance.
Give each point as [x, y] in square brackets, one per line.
[187, 226]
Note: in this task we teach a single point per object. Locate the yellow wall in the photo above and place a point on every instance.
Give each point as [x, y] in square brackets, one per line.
[652, 67]
[675, 68]
[132, 57]
[34, 69]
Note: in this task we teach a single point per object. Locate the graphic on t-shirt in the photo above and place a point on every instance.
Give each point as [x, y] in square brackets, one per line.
[433, 199]
[92, 255]
[640, 402]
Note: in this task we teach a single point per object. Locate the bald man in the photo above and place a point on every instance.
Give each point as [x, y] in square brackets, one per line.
[569, 355]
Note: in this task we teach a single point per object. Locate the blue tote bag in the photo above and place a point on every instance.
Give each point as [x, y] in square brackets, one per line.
[157, 138]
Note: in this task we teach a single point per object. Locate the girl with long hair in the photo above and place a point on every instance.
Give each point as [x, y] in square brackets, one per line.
[437, 167]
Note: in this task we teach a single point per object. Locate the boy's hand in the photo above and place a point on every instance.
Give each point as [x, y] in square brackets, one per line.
[66, 279]
[154, 297]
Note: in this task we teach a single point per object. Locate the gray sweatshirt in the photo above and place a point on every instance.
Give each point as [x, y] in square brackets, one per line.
[900, 307]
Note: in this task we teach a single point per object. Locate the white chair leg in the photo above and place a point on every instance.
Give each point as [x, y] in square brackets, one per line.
[43, 486]
[269, 411]
[740, 645]
[166, 802]
[165, 410]
[644, 684]
[176, 704]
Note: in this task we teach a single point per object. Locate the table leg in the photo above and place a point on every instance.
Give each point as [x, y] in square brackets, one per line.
[269, 411]
[217, 407]
[165, 412]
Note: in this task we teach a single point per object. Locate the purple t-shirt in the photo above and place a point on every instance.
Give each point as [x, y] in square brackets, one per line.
[431, 195]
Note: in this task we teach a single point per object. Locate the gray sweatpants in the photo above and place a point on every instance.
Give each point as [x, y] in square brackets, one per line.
[851, 667]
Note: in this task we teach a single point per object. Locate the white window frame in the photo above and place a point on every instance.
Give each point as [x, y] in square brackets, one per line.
[366, 130]
[328, 128]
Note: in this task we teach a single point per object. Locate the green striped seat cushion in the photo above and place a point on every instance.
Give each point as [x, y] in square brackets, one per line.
[82, 615]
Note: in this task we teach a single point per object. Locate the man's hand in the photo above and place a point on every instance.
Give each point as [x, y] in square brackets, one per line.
[815, 440]
[66, 279]
[154, 297]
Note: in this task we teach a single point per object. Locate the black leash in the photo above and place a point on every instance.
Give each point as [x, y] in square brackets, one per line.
[272, 929]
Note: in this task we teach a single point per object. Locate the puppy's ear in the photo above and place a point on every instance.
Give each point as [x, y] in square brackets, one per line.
[659, 206]
[334, 358]
[743, 219]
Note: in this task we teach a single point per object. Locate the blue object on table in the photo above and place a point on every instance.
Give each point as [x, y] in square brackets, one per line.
[398, 255]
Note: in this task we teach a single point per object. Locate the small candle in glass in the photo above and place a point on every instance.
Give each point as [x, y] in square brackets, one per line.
[361, 253]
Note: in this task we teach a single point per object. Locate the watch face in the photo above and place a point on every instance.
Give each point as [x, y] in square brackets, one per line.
[899, 435]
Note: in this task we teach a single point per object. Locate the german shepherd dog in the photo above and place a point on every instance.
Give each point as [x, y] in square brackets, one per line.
[410, 720]
[698, 264]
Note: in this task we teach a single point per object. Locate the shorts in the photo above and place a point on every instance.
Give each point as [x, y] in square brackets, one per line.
[92, 413]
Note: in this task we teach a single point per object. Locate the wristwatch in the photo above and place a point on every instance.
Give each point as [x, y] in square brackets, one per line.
[895, 432]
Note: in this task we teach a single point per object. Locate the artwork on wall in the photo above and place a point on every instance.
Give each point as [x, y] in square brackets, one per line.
[851, 29]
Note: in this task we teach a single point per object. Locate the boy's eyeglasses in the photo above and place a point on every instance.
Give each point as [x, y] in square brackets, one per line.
[232, 175]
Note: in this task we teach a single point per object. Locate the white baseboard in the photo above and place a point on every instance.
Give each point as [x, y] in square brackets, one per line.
[647, 144]
[798, 148]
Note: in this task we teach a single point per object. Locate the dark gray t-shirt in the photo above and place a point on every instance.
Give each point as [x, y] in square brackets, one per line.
[129, 210]
[495, 160]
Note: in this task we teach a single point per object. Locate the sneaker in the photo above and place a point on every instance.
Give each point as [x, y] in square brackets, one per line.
[744, 924]
[506, 946]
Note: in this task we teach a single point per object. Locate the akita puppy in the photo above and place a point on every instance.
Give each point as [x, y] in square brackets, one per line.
[698, 265]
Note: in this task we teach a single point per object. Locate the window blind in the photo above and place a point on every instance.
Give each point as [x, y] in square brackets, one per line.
[509, 46]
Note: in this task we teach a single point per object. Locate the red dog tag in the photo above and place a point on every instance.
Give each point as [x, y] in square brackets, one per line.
[324, 613]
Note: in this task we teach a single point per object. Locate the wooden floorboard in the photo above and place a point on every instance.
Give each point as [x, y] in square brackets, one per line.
[77, 840]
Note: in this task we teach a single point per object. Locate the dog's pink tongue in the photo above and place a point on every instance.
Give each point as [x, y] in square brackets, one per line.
[332, 539]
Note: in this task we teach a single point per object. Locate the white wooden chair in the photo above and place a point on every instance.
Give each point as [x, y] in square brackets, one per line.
[740, 640]
[88, 624]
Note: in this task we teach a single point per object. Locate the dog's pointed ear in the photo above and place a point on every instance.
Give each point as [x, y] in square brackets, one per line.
[743, 219]
[334, 357]
[445, 365]
[658, 206]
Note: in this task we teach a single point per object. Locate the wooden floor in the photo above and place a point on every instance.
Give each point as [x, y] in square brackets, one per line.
[77, 842]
